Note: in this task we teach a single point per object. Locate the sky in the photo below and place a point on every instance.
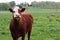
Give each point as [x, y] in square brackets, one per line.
[28, 1]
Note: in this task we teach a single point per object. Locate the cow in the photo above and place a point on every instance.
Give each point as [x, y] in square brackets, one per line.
[21, 23]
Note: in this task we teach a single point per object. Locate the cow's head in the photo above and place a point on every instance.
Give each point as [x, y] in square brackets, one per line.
[16, 12]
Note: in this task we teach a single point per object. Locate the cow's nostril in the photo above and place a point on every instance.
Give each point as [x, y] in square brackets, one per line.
[16, 15]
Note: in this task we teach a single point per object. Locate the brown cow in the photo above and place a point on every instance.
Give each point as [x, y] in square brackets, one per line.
[21, 23]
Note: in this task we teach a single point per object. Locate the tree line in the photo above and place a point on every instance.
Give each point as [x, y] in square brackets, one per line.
[46, 5]
[43, 5]
[5, 6]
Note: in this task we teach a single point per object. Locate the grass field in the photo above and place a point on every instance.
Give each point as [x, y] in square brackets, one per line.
[46, 24]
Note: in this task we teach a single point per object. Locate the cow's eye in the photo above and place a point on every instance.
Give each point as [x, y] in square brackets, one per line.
[13, 11]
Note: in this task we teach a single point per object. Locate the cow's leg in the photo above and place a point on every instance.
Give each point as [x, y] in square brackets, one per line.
[15, 37]
[23, 37]
[29, 33]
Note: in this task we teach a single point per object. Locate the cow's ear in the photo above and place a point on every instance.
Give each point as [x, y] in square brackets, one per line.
[23, 9]
[10, 10]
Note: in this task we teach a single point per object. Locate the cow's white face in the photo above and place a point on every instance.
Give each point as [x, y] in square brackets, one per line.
[16, 11]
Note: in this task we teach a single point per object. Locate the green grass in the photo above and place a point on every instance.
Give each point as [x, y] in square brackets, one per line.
[45, 26]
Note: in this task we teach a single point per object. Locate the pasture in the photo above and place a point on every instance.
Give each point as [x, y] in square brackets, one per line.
[46, 24]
